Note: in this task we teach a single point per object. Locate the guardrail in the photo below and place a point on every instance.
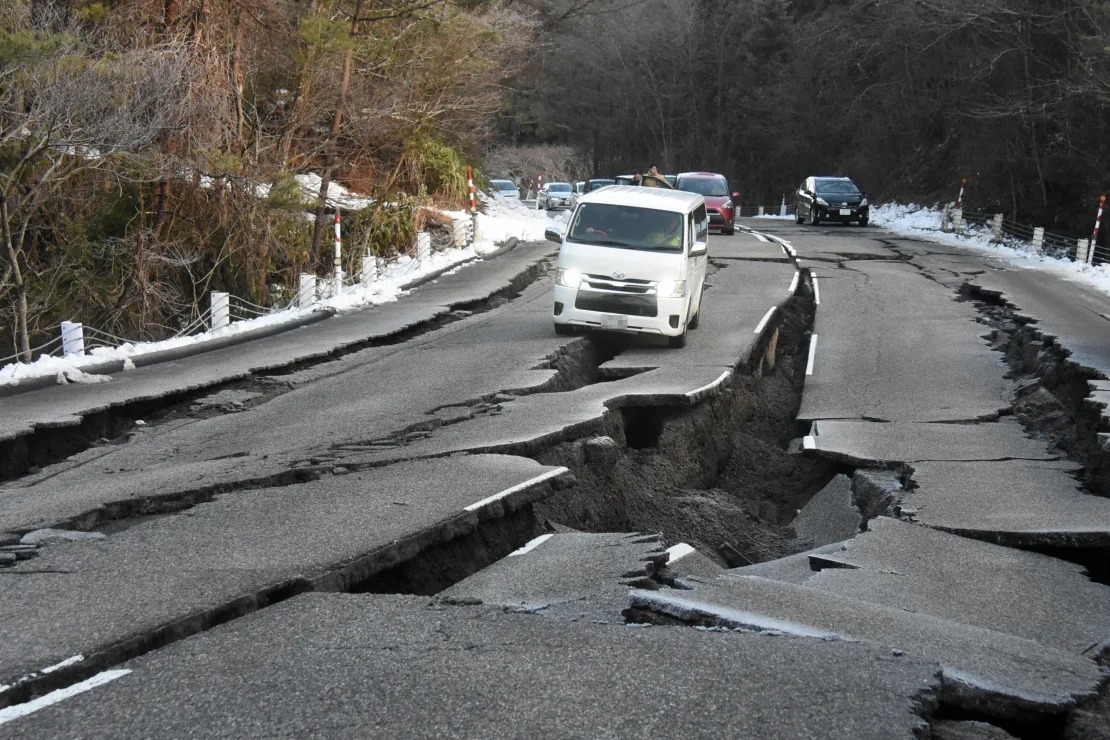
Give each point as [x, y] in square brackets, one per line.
[223, 309]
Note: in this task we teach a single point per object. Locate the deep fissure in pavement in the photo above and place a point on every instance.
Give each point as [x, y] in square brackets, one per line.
[1050, 401]
[47, 445]
[721, 476]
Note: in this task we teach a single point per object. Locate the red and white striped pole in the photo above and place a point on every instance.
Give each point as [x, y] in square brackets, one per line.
[1098, 225]
[960, 197]
[470, 186]
[338, 259]
[539, 187]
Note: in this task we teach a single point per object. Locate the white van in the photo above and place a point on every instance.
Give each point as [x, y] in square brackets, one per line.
[633, 259]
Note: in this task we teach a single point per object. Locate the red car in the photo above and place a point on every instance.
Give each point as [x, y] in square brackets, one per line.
[720, 202]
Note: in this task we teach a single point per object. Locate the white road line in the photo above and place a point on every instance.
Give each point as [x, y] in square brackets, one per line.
[763, 322]
[812, 354]
[816, 291]
[22, 710]
[532, 545]
[794, 283]
[679, 551]
[516, 489]
[712, 385]
[760, 237]
[48, 669]
[809, 443]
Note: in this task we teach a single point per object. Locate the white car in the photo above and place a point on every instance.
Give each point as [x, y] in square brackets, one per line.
[554, 196]
[505, 189]
[632, 260]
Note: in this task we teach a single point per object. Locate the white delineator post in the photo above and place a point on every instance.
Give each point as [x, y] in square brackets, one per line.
[1098, 223]
[338, 286]
[221, 309]
[782, 208]
[476, 229]
[1038, 239]
[369, 267]
[73, 338]
[960, 197]
[539, 187]
[424, 245]
[307, 294]
[760, 212]
[1081, 250]
[958, 221]
[996, 228]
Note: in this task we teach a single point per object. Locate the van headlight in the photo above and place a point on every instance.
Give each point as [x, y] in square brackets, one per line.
[568, 277]
[670, 288]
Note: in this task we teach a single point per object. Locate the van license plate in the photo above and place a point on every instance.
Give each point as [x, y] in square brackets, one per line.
[845, 211]
[609, 321]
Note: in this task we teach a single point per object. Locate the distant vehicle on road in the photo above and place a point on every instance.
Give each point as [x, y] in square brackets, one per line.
[588, 187]
[718, 199]
[632, 260]
[505, 189]
[831, 199]
[554, 196]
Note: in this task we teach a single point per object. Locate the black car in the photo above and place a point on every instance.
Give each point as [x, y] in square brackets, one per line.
[831, 199]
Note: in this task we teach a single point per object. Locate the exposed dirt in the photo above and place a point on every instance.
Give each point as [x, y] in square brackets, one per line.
[719, 473]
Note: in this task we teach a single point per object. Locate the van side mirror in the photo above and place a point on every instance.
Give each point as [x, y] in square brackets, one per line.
[553, 234]
[699, 249]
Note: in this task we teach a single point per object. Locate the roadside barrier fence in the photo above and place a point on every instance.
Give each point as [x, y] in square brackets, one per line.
[224, 309]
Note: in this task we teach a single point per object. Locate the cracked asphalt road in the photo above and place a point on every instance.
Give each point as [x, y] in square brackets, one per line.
[927, 607]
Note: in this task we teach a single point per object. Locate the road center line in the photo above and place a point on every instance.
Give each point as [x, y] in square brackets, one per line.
[812, 354]
[794, 283]
[517, 488]
[531, 545]
[816, 289]
[763, 322]
[54, 697]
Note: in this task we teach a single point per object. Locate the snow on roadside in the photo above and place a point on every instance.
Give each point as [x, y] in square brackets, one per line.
[921, 221]
[502, 220]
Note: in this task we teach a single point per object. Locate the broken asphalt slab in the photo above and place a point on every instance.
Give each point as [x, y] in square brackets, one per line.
[1014, 503]
[983, 670]
[572, 575]
[869, 444]
[65, 406]
[830, 516]
[175, 575]
[1004, 589]
[892, 345]
[350, 666]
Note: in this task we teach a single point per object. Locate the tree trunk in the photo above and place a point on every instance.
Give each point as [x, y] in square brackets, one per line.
[330, 148]
[23, 336]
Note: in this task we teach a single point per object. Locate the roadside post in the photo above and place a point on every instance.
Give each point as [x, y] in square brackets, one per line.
[424, 246]
[1081, 250]
[221, 309]
[369, 267]
[338, 284]
[782, 208]
[307, 294]
[1098, 223]
[73, 338]
[470, 188]
[539, 187]
[996, 229]
[1038, 239]
[960, 197]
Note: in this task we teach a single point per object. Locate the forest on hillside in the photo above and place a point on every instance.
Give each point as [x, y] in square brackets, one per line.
[906, 96]
[148, 148]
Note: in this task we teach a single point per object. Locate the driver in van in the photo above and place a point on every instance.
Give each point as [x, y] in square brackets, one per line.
[669, 234]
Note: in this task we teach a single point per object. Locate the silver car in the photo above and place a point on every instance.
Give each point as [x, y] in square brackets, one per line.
[555, 196]
[505, 189]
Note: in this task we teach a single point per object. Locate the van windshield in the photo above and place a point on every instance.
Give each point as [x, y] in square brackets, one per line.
[627, 227]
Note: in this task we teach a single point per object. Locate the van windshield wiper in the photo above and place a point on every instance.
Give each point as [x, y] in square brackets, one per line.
[610, 243]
